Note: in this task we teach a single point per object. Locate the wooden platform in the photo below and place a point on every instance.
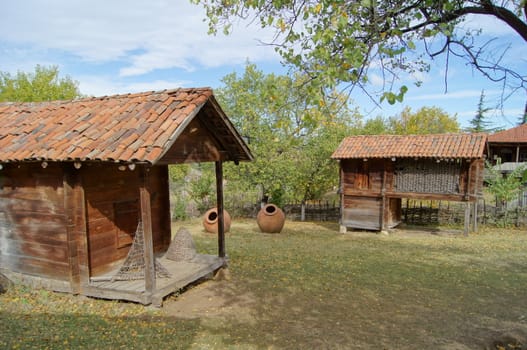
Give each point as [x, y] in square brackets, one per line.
[182, 274]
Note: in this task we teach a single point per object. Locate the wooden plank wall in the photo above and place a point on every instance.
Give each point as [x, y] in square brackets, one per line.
[112, 209]
[195, 144]
[361, 212]
[33, 237]
[477, 171]
[364, 186]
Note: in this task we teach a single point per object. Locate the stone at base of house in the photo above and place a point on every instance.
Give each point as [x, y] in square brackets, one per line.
[343, 229]
[5, 284]
[223, 274]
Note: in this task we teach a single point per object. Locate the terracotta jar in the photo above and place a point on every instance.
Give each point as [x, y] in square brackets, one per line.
[270, 219]
[210, 221]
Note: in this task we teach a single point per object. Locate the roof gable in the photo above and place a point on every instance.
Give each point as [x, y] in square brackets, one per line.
[412, 146]
[513, 135]
[139, 127]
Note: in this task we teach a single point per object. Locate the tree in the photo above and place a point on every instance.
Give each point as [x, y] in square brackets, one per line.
[376, 126]
[426, 120]
[290, 131]
[505, 187]
[337, 42]
[523, 118]
[478, 123]
[42, 85]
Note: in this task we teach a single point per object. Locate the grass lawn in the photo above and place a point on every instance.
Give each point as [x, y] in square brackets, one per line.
[308, 287]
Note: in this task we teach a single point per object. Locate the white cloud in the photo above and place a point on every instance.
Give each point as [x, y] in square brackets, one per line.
[460, 94]
[147, 35]
[489, 25]
[102, 86]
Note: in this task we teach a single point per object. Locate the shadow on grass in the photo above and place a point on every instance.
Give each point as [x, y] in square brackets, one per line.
[288, 317]
[73, 331]
[311, 289]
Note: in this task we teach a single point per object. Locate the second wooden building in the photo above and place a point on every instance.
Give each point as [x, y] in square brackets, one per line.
[377, 171]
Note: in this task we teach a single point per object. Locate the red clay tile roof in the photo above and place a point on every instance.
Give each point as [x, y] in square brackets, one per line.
[412, 146]
[122, 128]
[514, 135]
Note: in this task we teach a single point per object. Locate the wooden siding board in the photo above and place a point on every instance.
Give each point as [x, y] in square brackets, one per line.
[32, 220]
[103, 227]
[362, 212]
[51, 252]
[34, 266]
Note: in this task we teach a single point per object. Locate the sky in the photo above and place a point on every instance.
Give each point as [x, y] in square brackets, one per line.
[123, 46]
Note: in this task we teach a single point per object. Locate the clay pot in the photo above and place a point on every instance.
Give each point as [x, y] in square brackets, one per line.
[270, 219]
[210, 221]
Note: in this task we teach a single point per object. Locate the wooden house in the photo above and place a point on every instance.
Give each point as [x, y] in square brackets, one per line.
[509, 146]
[79, 179]
[377, 171]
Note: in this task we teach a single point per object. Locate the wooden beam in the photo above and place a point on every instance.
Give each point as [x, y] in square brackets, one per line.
[146, 219]
[475, 216]
[410, 195]
[219, 206]
[76, 231]
[383, 199]
[342, 228]
[467, 219]
[476, 182]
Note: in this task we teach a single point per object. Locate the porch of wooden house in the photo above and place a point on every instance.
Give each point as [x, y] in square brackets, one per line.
[182, 274]
[151, 287]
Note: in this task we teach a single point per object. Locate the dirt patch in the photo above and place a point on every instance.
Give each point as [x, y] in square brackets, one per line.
[218, 297]
[312, 287]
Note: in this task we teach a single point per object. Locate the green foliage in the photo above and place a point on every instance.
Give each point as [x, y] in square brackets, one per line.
[339, 43]
[505, 187]
[426, 120]
[523, 118]
[479, 122]
[202, 188]
[376, 126]
[42, 85]
[291, 131]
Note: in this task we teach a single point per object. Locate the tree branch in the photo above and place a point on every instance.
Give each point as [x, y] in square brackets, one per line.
[501, 13]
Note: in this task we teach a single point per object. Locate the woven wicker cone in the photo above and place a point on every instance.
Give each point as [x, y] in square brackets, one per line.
[182, 247]
[133, 267]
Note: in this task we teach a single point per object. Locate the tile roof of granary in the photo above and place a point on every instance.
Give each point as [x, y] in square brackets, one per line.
[412, 146]
[514, 135]
[137, 127]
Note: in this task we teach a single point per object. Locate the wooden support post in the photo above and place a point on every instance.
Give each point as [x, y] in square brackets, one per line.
[342, 228]
[383, 200]
[476, 191]
[219, 206]
[475, 216]
[467, 219]
[71, 203]
[146, 219]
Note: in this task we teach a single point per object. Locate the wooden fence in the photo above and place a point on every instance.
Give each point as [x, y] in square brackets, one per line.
[418, 212]
[313, 211]
[426, 212]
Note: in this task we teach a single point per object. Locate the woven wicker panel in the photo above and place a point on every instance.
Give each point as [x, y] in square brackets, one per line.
[427, 176]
